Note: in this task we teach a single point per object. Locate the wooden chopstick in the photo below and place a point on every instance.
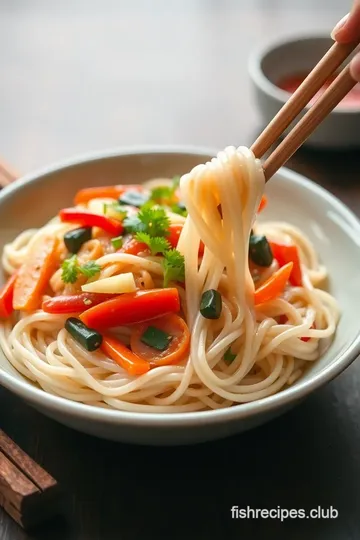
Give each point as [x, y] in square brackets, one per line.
[335, 56]
[309, 122]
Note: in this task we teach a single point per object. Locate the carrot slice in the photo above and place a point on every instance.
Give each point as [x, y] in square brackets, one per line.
[35, 273]
[263, 203]
[6, 297]
[285, 253]
[178, 347]
[103, 192]
[118, 352]
[274, 286]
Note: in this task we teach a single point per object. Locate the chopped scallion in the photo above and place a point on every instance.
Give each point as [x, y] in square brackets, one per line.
[211, 304]
[156, 338]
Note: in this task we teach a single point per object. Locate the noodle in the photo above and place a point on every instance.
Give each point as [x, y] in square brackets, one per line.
[268, 354]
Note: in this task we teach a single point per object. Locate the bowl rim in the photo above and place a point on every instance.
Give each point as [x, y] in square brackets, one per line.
[261, 80]
[38, 397]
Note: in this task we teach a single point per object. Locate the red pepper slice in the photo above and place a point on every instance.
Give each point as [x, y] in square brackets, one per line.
[283, 320]
[130, 308]
[263, 203]
[285, 253]
[132, 247]
[88, 219]
[6, 297]
[76, 303]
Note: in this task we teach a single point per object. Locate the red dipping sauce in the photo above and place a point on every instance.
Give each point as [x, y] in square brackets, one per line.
[292, 82]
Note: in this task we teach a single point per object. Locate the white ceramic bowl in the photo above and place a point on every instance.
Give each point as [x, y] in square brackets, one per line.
[292, 56]
[334, 230]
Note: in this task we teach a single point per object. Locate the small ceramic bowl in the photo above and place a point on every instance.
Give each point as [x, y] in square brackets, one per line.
[291, 57]
[333, 229]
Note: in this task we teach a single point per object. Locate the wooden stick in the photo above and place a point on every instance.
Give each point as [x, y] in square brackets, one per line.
[27, 492]
[7, 174]
[315, 115]
[301, 97]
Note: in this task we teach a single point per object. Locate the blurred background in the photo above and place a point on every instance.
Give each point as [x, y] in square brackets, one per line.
[81, 75]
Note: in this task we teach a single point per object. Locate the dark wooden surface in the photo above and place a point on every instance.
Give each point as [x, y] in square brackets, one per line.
[83, 75]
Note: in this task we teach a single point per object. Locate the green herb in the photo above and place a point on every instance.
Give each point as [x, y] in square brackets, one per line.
[229, 356]
[260, 250]
[134, 198]
[179, 208]
[87, 337]
[158, 244]
[211, 304]
[176, 182]
[117, 242]
[71, 269]
[162, 194]
[174, 266]
[90, 269]
[152, 221]
[156, 338]
[75, 238]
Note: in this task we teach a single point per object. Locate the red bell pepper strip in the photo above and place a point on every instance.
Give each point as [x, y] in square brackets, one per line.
[112, 192]
[130, 308]
[88, 219]
[129, 361]
[274, 286]
[285, 253]
[76, 303]
[6, 297]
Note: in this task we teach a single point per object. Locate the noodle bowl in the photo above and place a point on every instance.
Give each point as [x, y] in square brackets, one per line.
[250, 351]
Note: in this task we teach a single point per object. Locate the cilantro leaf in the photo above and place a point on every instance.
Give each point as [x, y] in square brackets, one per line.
[90, 269]
[154, 221]
[162, 194]
[158, 244]
[174, 266]
[133, 224]
[229, 356]
[70, 269]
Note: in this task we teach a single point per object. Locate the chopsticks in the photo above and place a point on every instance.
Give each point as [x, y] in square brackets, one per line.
[314, 116]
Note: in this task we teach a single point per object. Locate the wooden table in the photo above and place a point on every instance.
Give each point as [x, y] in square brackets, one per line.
[83, 75]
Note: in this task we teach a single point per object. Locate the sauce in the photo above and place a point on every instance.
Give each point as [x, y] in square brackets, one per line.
[292, 82]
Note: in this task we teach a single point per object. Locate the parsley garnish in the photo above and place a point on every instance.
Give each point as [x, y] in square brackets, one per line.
[158, 244]
[229, 356]
[71, 269]
[152, 221]
[174, 266]
[179, 209]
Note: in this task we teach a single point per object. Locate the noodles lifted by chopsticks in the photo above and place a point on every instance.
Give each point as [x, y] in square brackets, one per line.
[171, 299]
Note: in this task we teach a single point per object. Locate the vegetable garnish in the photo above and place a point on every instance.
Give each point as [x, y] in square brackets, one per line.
[131, 246]
[156, 338]
[229, 356]
[87, 337]
[285, 253]
[179, 208]
[211, 304]
[71, 269]
[152, 221]
[132, 308]
[115, 210]
[134, 198]
[75, 238]
[174, 266]
[103, 192]
[75, 303]
[166, 195]
[177, 349]
[117, 242]
[88, 219]
[6, 297]
[122, 283]
[118, 352]
[260, 250]
[34, 275]
[263, 203]
[157, 244]
[274, 286]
